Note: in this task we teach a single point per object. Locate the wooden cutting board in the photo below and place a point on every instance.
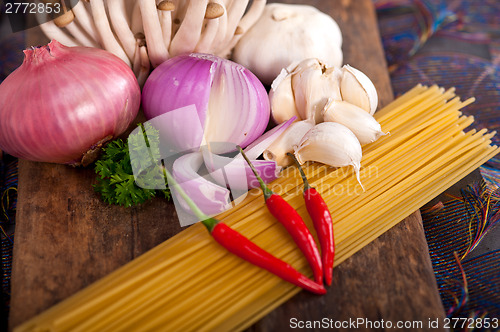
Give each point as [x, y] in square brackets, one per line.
[66, 237]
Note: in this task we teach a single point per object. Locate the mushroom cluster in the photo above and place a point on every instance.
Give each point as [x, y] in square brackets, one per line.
[145, 33]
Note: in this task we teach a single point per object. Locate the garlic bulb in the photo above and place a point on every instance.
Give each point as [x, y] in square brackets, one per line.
[275, 41]
[332, 144]
[304, 88]
[286, 142]
[362, 124]
[314, 92]
[358, 89]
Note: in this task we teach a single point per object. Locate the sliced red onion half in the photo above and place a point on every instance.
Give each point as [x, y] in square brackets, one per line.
[228, 179]
[201, 100]
[187, 137]
[231, 103]
[235, 172]
[210, 197]
[254, 150]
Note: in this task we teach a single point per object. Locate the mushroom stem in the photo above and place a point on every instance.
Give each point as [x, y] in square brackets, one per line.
[165, 9]
[52, 31]
[136, 19]
[67, 20]
[157, 50]
[234, 14]
[189, 32]
[207, 37]
[179, 13]
[127, 7]
[145, 65]
[205, 44]
[136, 61]
[80, 35]
[246, 22]
[107, 37]
[83, 18]
[253, 14]
[221, 33]
[117, 16]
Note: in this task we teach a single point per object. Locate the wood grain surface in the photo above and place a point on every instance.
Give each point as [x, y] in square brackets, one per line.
[67, 238]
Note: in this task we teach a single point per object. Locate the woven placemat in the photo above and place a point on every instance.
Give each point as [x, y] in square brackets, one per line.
[455, 44]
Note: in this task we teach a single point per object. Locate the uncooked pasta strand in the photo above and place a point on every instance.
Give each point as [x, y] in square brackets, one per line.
[189, 282]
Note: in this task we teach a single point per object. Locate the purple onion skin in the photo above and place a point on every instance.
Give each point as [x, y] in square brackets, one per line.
[159, 94]
[187, 79]
[63, 100]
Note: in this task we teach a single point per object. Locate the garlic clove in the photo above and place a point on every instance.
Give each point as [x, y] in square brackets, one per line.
[356, 88]
[314, 84]
[282, 99]
[328, 89]
[304, 81]
[332, 144]
[362, 124]
[286, 142]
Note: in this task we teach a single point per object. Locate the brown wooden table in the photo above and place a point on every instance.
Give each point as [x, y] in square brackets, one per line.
[67, 238]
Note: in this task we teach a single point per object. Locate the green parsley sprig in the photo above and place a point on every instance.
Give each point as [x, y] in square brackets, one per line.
[115, 178]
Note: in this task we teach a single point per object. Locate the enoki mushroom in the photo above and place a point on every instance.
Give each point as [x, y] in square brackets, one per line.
[144, 33]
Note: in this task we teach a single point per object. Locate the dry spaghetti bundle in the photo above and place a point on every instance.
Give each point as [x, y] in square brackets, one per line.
[189, 282]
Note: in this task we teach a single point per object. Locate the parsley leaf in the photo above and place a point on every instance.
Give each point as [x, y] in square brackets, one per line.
[115, 177]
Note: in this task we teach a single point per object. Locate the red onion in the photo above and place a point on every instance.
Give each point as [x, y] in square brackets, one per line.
[231, 103]
[64, 101]
[203, 102]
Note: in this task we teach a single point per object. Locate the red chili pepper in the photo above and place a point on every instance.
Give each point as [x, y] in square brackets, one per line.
[242, 247]
[322, 220]
[294, 224]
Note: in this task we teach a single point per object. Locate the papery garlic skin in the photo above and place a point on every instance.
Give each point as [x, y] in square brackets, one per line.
[281, 98]
[356, 88]
[332, 144]
[313, 85]
[360, 122]
[276, 40]
[303, 90]
[286, 142]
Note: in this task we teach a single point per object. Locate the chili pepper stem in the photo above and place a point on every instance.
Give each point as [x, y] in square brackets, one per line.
[302, 174]
[242, 247]
[205, 220]
[294, 224]
[265, 189]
